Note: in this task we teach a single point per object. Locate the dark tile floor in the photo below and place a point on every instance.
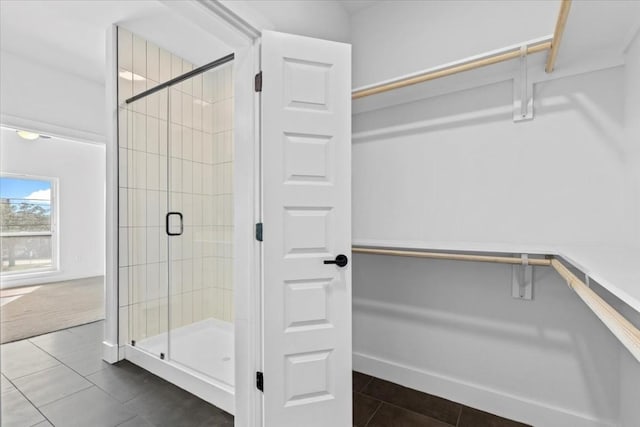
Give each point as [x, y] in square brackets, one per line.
[379, 403]
[59, 379]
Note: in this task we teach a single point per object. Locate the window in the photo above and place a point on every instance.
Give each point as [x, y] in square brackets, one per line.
[27, 224]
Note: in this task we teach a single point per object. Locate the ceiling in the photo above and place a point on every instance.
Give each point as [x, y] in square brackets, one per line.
[70, 35]
[598, 28]
[355, 6]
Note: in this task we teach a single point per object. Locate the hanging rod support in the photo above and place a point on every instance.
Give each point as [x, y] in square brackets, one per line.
[624, 330]
[522, 91]
[522, 279]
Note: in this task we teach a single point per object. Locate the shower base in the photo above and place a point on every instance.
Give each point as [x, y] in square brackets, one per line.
[199, 358]
[205, 346]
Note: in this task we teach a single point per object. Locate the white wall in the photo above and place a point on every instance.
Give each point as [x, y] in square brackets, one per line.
[452, 329]
[469, 174]
[50, 99]
[629, 367]
[324, 19]
[472, 175]
[80, 169]
[400, 37]
[632, 124]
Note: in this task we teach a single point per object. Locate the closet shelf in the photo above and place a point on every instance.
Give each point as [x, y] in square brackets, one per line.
[616, 269]
[549, 43]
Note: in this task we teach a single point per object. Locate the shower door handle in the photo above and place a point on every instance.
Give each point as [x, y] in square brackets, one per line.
[168, 223]
[341, 260]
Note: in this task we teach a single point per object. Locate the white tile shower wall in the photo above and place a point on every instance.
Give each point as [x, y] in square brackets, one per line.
[176, 150]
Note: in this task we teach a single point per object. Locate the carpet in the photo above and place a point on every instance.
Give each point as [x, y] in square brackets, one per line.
[51, 307]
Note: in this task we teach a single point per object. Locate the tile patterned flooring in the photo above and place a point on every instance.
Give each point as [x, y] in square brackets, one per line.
[59, 379]
[379, 403]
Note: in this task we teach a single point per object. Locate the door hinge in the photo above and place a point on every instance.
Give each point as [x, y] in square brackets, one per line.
[260, 381]
[259, 232]
[258, 82]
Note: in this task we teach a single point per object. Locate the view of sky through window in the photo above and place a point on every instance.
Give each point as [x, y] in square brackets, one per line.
[25, 224]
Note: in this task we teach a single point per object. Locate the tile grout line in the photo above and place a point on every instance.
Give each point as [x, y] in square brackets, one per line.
[418, 413]
[380, 402]
[459, 416]
[365, 386]
[129, 419]
[28, 400]
[68, 367]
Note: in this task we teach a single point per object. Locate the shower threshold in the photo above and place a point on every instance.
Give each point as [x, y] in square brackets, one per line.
[200, 360]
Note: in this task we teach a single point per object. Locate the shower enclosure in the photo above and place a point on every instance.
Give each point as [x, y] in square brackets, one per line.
[176, 222]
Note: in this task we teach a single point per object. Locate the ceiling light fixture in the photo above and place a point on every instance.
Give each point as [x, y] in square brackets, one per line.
[29, 136]
[132, 77]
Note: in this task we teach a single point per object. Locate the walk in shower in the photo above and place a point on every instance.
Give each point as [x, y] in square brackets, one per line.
[176, 217]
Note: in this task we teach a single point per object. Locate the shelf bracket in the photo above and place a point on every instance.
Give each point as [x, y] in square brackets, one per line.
[522, 91]
[522, 280]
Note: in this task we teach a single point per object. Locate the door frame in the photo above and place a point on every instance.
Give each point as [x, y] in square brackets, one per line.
[244, 38]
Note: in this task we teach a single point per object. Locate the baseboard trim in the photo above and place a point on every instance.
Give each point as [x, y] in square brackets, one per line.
[207, 389]
[110, 353]
[43, 278]
[494, 401]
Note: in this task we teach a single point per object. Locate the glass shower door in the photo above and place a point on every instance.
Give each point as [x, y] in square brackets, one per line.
[143, 205]
[200, 175]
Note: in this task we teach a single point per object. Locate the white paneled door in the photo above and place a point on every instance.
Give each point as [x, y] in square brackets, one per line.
[306, 165]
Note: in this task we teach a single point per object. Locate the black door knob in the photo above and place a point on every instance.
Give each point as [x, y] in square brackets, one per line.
[341, 260]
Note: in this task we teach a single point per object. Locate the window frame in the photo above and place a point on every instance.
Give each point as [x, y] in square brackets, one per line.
[54, 233]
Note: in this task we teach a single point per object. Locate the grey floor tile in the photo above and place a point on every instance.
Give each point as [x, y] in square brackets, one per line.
[363, 409]
[90, 407]
[219, 419]
[17, 411]
[136, 422]
[392, 416]
[172, 406]
[413, 400]
[22, 358]
[359, 380]
[474, 418]
[85, 360]
[51, 384]
[44, 424]
[91, 332]
[5, 385]
[124, 380]
[58, 343]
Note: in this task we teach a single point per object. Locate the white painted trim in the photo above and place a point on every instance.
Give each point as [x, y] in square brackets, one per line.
[473, 395]
[49, 129]
[111, 194]
[477, 78]
[247, 14]
[110, 352]
[217, 19]
[246, 248]
[42, 278]
[195, 383]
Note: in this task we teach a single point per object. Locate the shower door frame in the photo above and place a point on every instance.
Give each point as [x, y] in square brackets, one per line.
[244, 400]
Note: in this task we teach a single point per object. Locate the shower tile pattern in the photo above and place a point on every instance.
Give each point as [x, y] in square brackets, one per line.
[175, 153]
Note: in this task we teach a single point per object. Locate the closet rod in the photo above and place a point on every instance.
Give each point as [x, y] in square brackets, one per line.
[449, 70]
[624, 330]
[452, 256]
[557, 35]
